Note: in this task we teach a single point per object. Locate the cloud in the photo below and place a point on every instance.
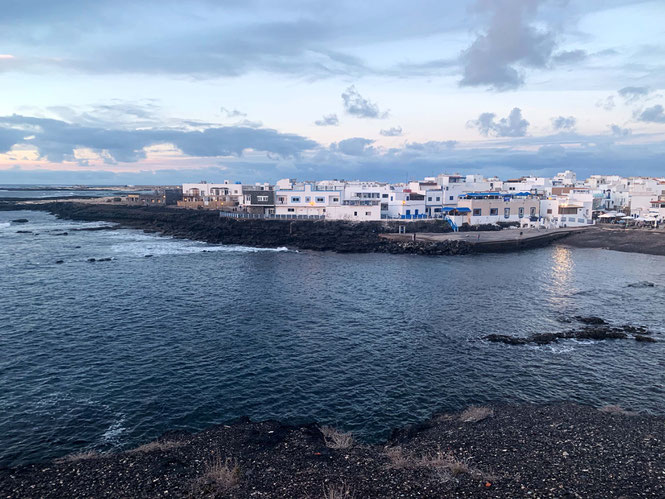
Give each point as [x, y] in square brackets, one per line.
[607, 103]
[328, 120]
[633, 94]
[57, 140]
[563, 123]
[618, 131]
[232, 113]
[552, 151]
[654, 114]
[356, 105]
[570, 57]
[432, 146]
[395, 131]
[513, 126]
[356, 146]
[510, 43]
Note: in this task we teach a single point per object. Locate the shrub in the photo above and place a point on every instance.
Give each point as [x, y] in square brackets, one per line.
[220, 476]
[340, 491]
[336, 439]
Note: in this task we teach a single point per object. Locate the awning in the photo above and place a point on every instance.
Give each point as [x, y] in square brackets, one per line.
[448, 209]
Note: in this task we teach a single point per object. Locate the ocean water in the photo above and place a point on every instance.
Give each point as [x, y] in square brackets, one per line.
[108, 355]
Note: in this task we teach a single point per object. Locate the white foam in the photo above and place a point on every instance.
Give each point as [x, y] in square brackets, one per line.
[4, 225]
[137, 244]
[112, 432]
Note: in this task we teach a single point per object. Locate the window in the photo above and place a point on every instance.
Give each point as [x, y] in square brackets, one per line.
[477, 212]
[290, 210]
[384, 195]
[391, 198]
[438, 198]
[407, 198]
[580, 220]
[506, 213]
[452, 198]
[520, 211]
[549, 211]
[320, 200]
[262, 198]
[308, 199]
[429, 198]
[355, 213]
[335, 200]
[532, 212]
[295, 199]
[368, 213]
[494, 212]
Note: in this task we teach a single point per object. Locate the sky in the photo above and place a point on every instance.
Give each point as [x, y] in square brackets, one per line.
[167, 91]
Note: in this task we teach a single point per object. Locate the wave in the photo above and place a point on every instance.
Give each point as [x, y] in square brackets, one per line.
[4, 225]
[143, 244]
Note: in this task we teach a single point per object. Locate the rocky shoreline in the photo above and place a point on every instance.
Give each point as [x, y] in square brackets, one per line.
[647, 241]
[207, 226]
[560, 450]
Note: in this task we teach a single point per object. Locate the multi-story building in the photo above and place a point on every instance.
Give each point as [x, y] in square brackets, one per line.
[494, 207]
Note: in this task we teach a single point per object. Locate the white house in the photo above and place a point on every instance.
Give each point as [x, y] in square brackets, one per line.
[493, 207]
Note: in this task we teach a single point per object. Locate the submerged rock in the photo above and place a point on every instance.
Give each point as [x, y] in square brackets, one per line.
[641, 284]
[59, 261]
[591, 320]
[20, 221]
[92, 259]
[645, 339]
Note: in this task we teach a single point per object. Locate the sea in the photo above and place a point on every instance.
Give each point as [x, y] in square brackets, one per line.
[169, 334]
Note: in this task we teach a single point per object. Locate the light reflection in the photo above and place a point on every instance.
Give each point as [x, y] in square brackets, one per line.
[561, 273]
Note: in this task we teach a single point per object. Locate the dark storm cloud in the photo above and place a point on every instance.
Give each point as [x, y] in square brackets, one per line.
[57, 140]
[356, 105]
[328, 120]
[510, 43]
[512, 126]
[654, 114]
[564, 123]
[395, 131]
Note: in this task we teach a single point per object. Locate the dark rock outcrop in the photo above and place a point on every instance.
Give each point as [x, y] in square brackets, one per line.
[20, 221]
[598, 331]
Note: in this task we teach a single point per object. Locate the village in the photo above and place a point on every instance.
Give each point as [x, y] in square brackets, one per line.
[530, 202]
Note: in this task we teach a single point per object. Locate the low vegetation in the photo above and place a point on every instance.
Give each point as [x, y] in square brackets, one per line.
[221, 475]
[336, 439]
[616, 409]
[157, 446]
[339, 491]
[445, 464]
[475, 414]
[79, 456]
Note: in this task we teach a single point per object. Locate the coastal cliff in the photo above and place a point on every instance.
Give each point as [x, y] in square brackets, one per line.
[562, 450]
